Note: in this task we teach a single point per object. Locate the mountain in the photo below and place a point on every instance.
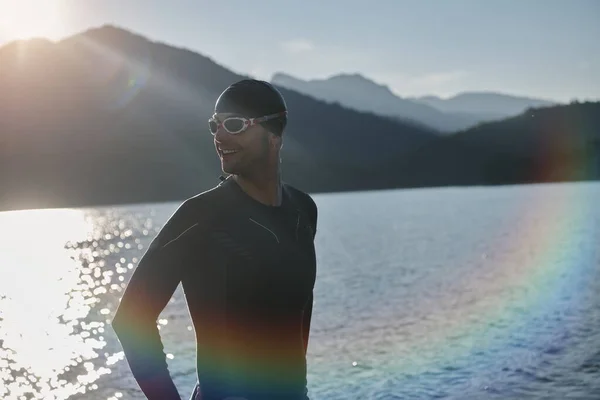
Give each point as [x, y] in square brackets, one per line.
[110, 117]
[107, 116]
[548, 144]
[444, 115]
[361, 94]
[494, 105]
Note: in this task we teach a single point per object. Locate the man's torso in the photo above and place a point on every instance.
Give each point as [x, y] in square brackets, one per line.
[248, 272]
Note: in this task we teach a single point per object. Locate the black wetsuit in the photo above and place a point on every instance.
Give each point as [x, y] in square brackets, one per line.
[248, 271]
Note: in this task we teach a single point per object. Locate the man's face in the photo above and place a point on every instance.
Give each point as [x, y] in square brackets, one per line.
[241, 153]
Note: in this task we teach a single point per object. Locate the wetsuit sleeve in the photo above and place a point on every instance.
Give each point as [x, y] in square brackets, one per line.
[306, 318]
[151, 286]
[307, 314]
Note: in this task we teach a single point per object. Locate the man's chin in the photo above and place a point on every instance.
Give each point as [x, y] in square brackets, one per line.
[228, 169]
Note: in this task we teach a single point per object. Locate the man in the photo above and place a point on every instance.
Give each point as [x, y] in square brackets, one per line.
[244, 254]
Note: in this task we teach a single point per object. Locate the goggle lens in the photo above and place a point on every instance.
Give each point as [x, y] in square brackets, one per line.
[231, 125]
[213, 126]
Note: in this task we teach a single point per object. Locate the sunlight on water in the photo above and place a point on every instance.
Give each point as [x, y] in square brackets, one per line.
[45, 294]
[412, 300]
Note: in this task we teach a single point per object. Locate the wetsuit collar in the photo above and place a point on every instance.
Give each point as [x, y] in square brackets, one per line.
[229, 181]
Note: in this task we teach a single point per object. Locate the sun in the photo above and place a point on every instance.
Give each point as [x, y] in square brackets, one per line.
[25, 19]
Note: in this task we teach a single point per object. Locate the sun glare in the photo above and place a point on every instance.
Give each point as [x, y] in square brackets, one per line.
[42, 304]
[25, 19]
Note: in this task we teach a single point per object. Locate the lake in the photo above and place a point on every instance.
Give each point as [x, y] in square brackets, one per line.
[445, 293]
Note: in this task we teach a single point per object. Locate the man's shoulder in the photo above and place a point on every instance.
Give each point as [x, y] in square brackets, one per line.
[207, 197]
[197, 211]
[203, 204]
[304, 201]
[302, 196]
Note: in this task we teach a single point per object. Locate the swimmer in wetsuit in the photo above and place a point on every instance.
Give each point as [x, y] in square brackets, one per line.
[244, 254]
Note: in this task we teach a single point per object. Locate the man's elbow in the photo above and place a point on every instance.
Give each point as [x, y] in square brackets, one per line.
[130, 322]
[119, 323]
[122, 323]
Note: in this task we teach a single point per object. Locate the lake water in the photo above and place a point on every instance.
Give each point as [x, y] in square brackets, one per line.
[457, 293]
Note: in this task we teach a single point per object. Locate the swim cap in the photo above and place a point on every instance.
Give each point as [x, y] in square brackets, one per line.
[254, 98]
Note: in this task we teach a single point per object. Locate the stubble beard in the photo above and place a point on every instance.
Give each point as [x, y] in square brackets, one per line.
[250, 166]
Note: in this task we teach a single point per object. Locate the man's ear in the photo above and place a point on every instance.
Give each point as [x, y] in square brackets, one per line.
[276, 141]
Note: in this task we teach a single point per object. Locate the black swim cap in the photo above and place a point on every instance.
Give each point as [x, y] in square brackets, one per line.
[254, 98]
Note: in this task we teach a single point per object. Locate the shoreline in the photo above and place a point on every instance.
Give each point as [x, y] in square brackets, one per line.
[133, 202]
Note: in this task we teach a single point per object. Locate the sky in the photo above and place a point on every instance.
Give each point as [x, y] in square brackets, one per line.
[541, 48]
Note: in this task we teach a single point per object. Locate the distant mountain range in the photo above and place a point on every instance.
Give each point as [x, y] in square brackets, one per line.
[109, 117]
[489, 104]
[444, 115]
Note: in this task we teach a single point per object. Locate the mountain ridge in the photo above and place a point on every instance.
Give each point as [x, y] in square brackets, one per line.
[113, 109]
[445, 115]
[486, 102]
[107, 117]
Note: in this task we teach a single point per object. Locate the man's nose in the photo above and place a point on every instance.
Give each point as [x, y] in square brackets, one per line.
[221, 134]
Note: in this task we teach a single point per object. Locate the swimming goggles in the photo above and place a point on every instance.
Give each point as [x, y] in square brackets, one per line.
[235, 124]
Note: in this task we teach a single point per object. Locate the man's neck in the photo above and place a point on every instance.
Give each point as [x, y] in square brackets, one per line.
[265, 187]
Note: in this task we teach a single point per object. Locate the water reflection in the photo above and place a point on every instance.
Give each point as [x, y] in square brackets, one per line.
[413, 299]
[49, 286]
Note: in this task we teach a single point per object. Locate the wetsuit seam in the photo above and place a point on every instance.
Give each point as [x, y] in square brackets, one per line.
[259, 224]
[180, 235]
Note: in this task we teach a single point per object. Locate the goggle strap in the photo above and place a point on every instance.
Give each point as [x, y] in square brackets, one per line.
[269, 117]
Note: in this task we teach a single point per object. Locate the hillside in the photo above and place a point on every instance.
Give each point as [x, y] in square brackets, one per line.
[550, 144]
[107, 116]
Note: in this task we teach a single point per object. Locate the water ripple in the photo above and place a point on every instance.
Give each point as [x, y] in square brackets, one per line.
[413, 301]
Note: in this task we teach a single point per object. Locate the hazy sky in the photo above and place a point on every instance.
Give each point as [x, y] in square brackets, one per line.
[544, 48]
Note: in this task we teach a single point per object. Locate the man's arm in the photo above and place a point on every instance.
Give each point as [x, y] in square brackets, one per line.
[151, 286]
[306, 319]
[308, 307]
